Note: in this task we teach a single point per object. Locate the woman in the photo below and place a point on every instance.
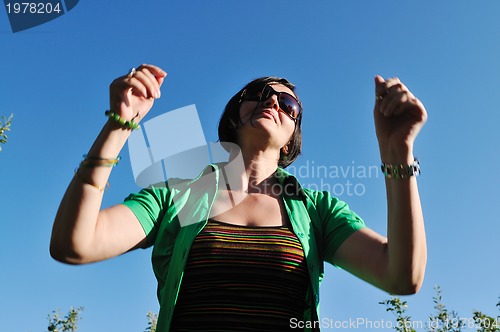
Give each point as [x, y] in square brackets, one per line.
[255, 263]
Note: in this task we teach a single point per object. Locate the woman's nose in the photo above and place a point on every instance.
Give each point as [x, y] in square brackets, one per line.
[272, 102]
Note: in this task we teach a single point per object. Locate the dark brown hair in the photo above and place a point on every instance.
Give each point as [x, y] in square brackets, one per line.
[230, 120]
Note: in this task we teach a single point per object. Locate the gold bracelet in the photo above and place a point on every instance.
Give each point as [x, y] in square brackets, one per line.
[90, 161]
[92, 184]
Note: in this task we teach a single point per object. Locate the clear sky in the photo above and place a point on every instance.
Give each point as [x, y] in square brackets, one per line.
[55, 79]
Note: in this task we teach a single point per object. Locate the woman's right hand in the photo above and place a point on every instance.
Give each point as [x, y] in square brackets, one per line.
[82, 232]
[132, 96]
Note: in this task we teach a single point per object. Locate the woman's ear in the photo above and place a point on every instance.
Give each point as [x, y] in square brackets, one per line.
[285, 149]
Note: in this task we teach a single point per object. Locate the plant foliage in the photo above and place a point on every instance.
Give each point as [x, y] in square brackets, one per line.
[4, 127]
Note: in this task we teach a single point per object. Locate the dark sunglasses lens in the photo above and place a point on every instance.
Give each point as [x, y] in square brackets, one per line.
[253, 93]
[268, 92]
[289, 105]
[287, 102]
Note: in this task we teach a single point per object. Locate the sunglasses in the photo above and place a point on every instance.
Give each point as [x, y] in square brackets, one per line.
[288, 103]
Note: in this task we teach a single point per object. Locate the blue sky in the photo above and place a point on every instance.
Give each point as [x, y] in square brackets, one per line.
[55, 79]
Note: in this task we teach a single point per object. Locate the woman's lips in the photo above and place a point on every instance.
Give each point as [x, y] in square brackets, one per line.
[269, 113]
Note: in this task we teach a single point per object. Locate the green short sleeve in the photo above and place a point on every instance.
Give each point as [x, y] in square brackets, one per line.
[148, 205]
[338, 223]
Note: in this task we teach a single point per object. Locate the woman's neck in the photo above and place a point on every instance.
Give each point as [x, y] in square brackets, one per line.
[254, 172]
[260, 167]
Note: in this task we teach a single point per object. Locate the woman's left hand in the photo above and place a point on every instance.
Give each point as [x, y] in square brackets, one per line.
[399, 117]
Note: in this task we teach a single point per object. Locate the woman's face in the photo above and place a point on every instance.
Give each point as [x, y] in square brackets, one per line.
[266, 120]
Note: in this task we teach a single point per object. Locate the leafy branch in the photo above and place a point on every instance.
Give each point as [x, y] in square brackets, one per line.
[69, 322]
[66, 324]
[4, 127]
[398, 308]
[152, 320]
[442, 320]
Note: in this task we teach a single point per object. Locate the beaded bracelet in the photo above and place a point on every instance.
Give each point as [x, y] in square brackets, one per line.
[124, 123]
[401, 171]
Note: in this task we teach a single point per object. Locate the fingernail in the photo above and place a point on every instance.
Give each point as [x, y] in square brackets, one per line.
[158, 93]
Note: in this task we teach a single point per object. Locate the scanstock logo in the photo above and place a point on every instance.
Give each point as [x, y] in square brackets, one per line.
[26, 14]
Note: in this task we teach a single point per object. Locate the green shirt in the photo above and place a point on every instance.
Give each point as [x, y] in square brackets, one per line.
[172, 217]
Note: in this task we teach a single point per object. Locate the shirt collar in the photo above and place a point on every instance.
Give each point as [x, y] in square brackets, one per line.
[285, 179]
[289, 182]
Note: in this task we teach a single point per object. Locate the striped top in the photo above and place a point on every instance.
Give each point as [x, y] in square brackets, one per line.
[242, 278]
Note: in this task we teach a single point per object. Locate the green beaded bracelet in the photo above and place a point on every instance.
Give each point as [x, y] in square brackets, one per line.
[124, 123]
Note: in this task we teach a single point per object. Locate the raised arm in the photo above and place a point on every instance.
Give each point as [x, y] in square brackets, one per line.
[395, 263]
[82, 232]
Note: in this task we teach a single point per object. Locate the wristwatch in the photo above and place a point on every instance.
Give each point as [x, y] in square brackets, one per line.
[401, 171]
